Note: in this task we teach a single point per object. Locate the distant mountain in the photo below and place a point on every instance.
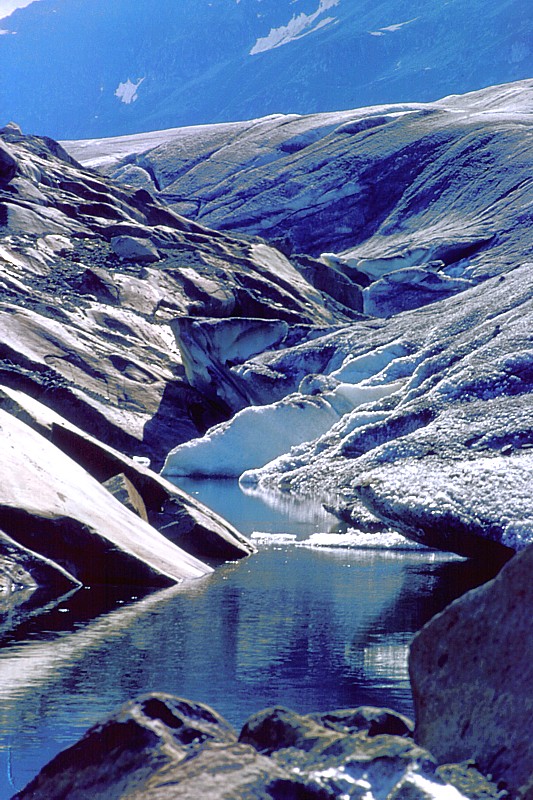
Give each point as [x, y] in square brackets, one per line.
[73, 68]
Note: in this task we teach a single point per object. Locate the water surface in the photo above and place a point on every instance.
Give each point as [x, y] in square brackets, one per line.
[309, 628]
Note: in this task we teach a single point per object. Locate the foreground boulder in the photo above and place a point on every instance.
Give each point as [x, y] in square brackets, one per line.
[472, 677]
[167, 748]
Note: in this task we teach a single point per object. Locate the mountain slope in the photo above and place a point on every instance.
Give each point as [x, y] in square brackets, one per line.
[417, 200]
[129, 66]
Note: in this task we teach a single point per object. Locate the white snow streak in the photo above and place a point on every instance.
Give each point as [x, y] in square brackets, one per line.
[298, 26]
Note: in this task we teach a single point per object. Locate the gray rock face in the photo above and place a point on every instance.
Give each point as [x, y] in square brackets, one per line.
[472, 678]
[50, 504]
[163, 747]
[180, 518]
[142, 251]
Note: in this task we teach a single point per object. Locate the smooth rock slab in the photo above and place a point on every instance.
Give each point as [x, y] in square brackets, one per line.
[471, 671]
[52, 505]
[182, 519]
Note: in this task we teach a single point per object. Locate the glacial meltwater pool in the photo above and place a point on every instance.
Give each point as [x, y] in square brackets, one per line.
[311, 628]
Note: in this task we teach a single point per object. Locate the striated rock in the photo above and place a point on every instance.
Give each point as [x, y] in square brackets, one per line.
[472, 678]
[167, 748]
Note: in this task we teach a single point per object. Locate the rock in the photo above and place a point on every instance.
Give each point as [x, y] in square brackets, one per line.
[132, 249]
[167, 748]
[279, 728]
[178, 516]
[11, 128]
[29, 583]
[50, 504]
[199, 531]
[8, 165]
[100, 284]
[22, 568]
[374, 721]
[126, 493]
[120, 756]
[472, 677]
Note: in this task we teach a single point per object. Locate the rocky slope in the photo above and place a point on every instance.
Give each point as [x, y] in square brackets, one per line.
[89, 370]
[91, 276]
[134, 67]
[437, 193]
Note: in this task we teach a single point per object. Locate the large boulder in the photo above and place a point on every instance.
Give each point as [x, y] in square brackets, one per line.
[180, 517]
[472, 677]
[131, 248]
[50, 504]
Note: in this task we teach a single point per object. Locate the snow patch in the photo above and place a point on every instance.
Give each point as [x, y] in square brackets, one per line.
[253, 437]
[127, 92]
[300, 25]
[392, 28]
[358, 540]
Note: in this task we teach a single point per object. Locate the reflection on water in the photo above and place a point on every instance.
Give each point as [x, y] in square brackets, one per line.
[312, 629]
[250, 510]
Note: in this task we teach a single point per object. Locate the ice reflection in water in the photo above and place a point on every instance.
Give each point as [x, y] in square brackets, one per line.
[310, 628]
